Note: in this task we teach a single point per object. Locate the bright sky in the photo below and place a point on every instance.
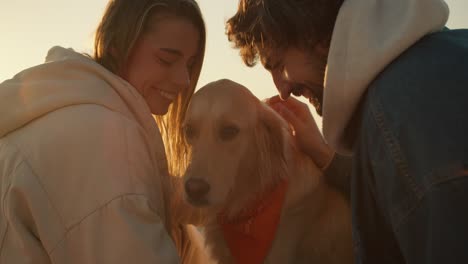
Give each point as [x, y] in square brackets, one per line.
[29, 28]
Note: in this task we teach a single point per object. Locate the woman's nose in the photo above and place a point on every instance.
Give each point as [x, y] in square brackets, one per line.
[181, 76]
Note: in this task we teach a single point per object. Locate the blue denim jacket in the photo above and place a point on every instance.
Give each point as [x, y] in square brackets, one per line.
[409, 188]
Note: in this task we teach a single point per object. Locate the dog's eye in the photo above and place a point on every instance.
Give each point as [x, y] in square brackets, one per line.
[189, 131]
[228, 132]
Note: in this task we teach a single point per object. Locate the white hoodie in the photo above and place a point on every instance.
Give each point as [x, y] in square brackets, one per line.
[82, 168]
[368, 35]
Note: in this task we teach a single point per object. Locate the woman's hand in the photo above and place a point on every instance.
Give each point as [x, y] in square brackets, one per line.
[305, 129]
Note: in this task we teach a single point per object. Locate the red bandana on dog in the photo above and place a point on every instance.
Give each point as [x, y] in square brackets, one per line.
[250, 235]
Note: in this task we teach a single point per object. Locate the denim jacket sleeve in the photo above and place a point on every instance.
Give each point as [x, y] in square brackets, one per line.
[338, 174]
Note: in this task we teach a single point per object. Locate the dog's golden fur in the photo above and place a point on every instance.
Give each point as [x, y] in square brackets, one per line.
[315, 225]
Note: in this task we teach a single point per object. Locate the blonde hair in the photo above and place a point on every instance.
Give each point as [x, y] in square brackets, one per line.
[122, 24]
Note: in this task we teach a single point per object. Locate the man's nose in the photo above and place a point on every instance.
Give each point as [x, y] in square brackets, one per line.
[281, 84]
[284, 92]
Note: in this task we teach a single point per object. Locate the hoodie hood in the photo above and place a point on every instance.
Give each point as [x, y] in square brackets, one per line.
[69, 78]
[368, 35]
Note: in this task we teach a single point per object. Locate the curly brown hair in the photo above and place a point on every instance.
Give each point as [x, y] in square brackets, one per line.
[261, 26]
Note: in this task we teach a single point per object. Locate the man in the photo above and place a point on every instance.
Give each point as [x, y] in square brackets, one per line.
[392, 84]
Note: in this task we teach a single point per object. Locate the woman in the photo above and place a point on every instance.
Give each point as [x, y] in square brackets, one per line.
[83, 171]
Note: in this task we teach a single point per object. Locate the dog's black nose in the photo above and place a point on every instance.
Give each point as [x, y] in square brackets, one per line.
[196, 189]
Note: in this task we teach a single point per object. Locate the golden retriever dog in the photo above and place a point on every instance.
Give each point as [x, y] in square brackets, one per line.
[269, 201]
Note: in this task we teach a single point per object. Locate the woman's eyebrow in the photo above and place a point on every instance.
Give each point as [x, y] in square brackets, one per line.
[176, 52]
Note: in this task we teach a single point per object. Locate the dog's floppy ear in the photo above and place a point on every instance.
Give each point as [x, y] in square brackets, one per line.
[272, 144]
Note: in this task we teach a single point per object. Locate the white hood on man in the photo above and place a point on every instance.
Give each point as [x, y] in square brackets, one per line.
[368, 35]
